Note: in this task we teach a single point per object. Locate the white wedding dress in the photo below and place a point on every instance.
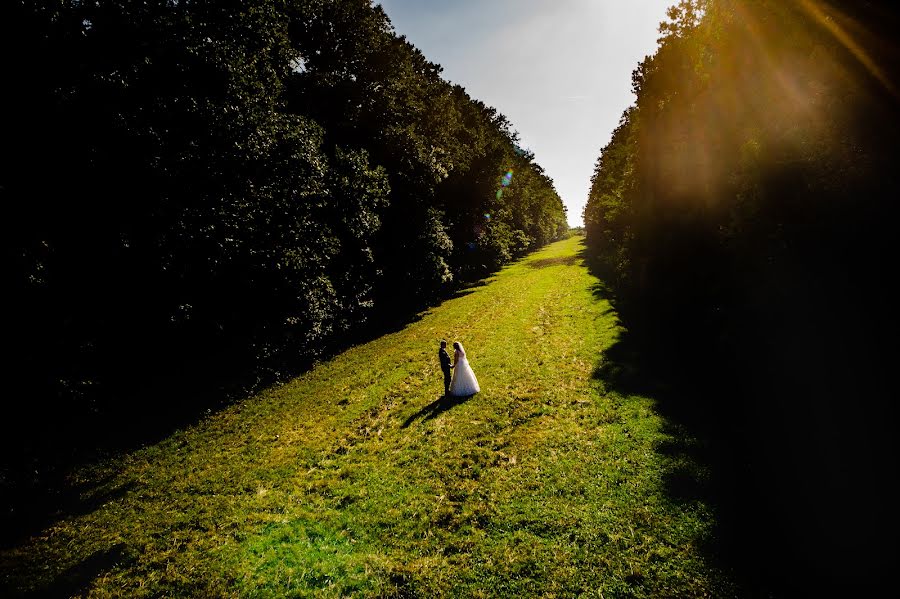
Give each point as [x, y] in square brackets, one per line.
[463, 382]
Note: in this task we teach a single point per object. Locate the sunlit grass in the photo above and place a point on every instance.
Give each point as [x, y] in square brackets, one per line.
[345, 482]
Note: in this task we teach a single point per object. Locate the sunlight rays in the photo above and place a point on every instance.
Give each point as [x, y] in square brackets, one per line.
[777, 78]
[786, 76]
[840, 26]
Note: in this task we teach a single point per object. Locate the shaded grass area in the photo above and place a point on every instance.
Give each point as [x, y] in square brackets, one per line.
[39, 449]
[357, 479]
[793, 426]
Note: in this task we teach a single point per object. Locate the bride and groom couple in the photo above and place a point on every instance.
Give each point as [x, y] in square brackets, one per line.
[461, 382]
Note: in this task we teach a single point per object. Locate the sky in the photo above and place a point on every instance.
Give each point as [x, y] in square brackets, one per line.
[560, 70]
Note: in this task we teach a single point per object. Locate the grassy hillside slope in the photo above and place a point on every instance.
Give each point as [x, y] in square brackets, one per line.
[359, 479]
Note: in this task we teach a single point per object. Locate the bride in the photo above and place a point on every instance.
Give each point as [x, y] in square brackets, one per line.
[464, 382]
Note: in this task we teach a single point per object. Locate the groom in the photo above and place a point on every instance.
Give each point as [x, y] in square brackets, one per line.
[446, 365]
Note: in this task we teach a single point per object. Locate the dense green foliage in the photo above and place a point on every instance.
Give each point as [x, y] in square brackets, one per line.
[744, 212]
[194, 185]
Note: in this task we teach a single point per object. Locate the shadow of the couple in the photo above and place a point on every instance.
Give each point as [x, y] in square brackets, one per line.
[437, 407]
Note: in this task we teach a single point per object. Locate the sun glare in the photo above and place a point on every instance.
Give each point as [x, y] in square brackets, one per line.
[848, 32]
[766, 77]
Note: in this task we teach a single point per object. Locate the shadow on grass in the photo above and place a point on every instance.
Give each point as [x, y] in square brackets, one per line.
[436, 408]
[76, 579]
[57, 503]
[470, 288]
[786, 436]
[35, 486]
[699, 464]
[560, 261]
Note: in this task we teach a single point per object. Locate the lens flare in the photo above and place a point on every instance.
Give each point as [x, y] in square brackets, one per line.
[765, 79]
[848, 34]
[505, 181]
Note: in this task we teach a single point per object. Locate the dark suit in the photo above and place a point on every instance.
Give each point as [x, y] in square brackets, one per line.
[446, 365]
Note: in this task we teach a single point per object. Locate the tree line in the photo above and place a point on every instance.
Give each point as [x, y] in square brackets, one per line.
[743, 215]
[195, 185]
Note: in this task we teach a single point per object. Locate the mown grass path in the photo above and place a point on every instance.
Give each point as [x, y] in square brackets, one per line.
[356, 479]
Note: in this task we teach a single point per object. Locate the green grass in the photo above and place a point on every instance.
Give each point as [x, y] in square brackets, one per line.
[344, 482]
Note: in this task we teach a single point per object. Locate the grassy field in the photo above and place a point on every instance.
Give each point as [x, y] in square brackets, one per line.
[358, 479]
